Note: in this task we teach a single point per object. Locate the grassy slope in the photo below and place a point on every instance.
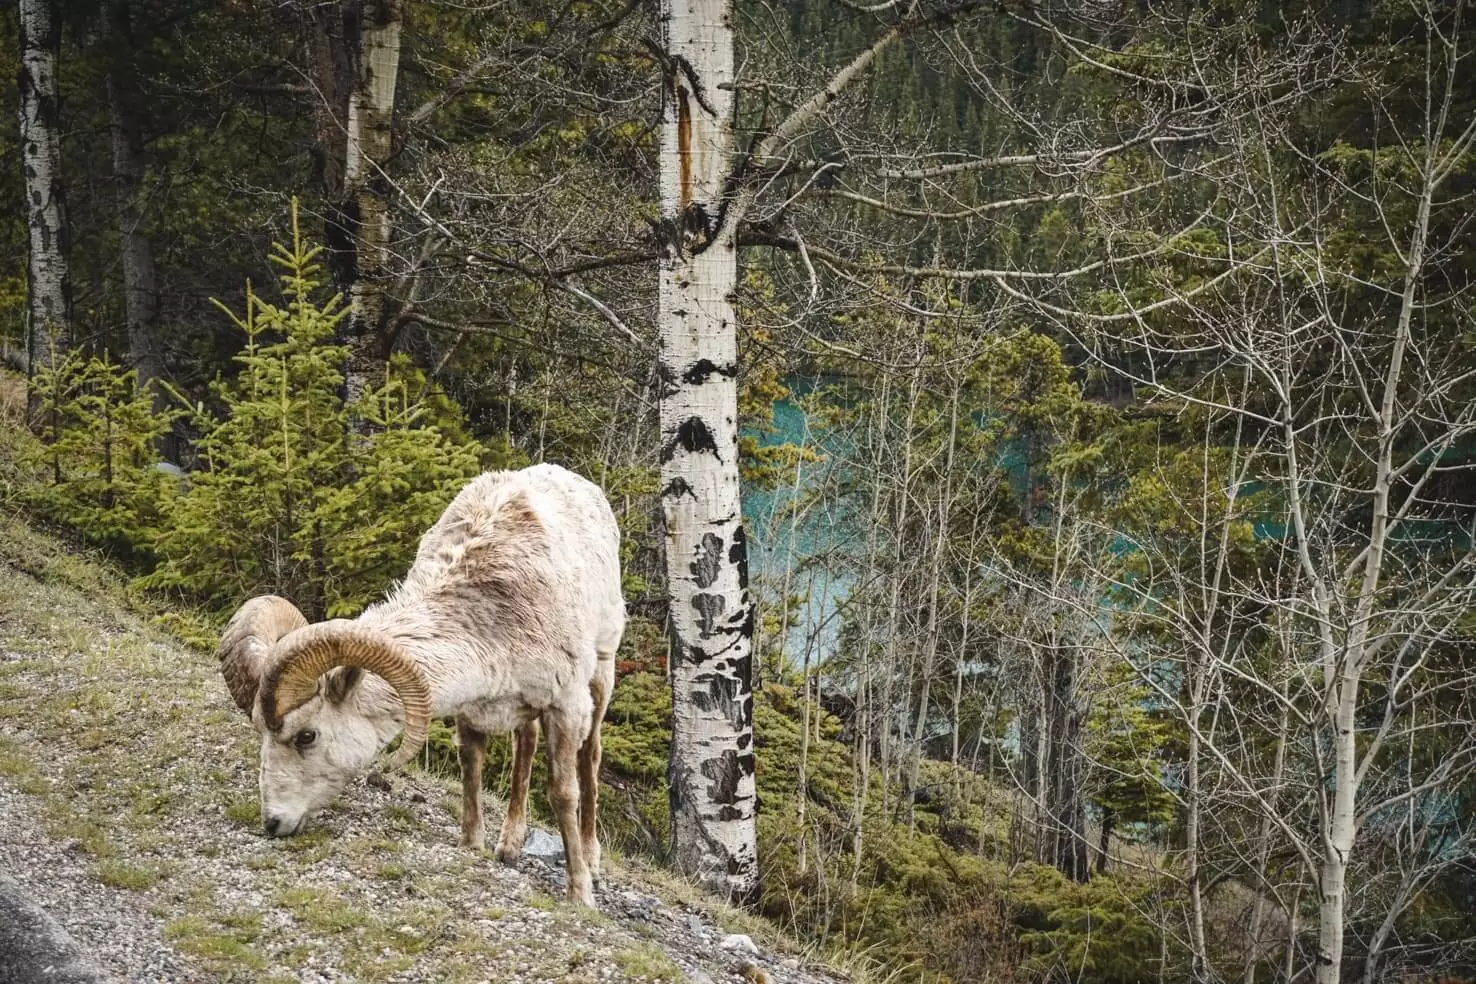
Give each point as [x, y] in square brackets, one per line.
[133, 752]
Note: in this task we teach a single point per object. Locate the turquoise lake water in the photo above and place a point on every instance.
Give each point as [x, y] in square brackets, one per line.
[782, 546]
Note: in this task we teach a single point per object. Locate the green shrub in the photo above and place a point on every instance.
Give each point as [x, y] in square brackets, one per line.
[298, 494]
[94, 469]
[1105, 930]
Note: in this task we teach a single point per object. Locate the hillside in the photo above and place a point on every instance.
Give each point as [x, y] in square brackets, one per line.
[128, 811]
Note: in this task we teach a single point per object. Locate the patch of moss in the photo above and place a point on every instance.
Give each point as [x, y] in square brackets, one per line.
[647, 961]
[120, 874]
[14, 762]
[225, 946]
[321, 910]
[245, 812]
[313, 844]
[89, 837]
[400, 816]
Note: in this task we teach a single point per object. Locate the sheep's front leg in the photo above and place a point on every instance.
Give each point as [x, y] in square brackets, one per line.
[471, 749]
[564, 738]
[515, 824]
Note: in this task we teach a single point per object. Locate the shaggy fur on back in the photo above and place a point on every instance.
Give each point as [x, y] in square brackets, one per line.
[520, 576]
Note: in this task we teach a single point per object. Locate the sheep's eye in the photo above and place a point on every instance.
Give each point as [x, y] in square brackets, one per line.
[304, 738]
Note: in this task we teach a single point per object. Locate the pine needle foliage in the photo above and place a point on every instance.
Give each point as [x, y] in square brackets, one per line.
[95, 469]
[297, 493]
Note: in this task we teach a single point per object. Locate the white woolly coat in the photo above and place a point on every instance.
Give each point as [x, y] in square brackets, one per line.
[513, 598]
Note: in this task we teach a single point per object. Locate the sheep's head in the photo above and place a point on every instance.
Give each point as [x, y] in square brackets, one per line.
[297, 681]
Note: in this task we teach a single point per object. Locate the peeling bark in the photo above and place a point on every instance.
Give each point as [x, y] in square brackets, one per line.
[711, 771]
[354, 46]
[371, 108]
[49, 297]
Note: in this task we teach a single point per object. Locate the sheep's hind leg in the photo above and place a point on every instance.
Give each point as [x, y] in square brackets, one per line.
[515, 824]
[471, 749]
[589, 767]
[564, 733]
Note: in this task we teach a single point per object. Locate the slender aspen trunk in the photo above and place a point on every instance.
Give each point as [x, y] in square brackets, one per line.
[371, 108]
[1192, 808]
[1341, 831]
[1289, 958]
[802, 785]
[894, 606]
[1258, 908]
[711, 771]
[49, 298]
[930, 639]
[1346, 678]
[861, 765]
[958, 677]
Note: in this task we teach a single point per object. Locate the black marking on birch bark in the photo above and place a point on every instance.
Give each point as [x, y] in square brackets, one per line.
[708, 607]
[742, 674]
[726, 694]
[680, 651]
[666, 380]
[726, 771]
[694, 81]
[744, 629]
[669, 239]
[704, 369]
[693, 437]
[678, 487]
[708, 562]
[739, 864]
[699, 229]
[738, 554]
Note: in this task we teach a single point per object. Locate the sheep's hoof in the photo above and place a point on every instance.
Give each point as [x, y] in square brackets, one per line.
[510, 844]
[476, 843]
[584, 898]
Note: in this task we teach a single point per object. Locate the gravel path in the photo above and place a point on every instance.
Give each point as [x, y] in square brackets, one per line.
[106, 922]
[128, 812]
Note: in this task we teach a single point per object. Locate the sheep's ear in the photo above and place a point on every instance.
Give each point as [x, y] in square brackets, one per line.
[341, 682]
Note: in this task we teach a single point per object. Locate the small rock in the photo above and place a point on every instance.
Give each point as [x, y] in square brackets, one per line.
[541, 844]
[739, 942]
[695, 927]
[417, 797]
[791, 963]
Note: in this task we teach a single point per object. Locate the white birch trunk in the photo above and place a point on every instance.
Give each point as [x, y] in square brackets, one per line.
[711, 771]
[371, 109]
[1345, 681]
[49, 297]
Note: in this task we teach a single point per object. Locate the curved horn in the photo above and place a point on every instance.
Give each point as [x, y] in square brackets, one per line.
[316, 649]
[248, 640]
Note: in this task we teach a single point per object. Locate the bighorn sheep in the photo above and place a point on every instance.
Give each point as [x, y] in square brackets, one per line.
[509, 616]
